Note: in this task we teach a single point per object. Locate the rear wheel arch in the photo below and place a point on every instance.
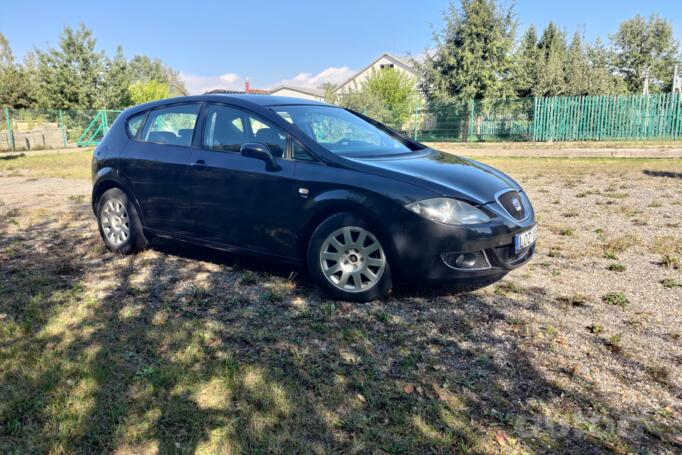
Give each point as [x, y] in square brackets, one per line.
[103, 186]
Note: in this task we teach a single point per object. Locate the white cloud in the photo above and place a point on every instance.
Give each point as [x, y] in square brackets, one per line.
[197, 85]
[309, 80]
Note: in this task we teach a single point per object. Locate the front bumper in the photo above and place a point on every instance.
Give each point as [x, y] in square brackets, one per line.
[420, 245]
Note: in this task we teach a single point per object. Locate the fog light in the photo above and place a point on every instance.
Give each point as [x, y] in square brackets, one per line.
[475, 260]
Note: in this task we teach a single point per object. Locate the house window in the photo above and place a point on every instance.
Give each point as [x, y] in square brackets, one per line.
[383, 66]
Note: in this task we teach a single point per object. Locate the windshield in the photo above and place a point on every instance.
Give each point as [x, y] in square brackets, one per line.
[342, 132]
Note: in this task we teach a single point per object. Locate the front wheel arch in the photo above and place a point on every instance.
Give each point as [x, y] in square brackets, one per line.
[327, 227]
[327, 211]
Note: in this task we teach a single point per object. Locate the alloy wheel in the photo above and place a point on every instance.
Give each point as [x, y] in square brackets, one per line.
[115, 222]
[352, 259]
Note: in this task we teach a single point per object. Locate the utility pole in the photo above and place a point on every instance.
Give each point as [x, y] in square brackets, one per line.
[645, 87]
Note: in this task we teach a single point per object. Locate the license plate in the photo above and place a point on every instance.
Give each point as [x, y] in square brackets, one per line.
[525, 239]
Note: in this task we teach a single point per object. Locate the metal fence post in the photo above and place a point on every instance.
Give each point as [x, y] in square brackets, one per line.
[416, 120]
[62, 127]
[10, 136]
[533, 123]
[472, 119]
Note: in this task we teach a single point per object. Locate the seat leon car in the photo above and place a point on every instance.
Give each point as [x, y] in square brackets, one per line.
[361, 206]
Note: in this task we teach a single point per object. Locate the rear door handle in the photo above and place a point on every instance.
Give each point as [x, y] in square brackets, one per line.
[199, 164]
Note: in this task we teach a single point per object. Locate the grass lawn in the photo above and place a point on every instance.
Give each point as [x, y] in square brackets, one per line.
[183, 350]
[73, 164]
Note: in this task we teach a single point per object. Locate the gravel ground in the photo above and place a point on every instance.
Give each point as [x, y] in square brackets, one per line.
[578, 352]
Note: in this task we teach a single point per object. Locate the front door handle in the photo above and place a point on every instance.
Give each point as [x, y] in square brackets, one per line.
[199, 164]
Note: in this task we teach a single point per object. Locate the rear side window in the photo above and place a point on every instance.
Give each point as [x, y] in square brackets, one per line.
[134, 123]
[173, 125]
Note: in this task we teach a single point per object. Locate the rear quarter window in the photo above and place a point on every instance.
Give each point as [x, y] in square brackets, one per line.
[134, 124]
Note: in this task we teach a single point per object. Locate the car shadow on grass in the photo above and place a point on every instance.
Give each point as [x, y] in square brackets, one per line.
[174, 351]
[669, 174]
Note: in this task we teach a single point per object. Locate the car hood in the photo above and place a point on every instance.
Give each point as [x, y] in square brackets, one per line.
[444, 173]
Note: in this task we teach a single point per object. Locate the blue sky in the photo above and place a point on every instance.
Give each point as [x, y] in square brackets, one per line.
[218, 44]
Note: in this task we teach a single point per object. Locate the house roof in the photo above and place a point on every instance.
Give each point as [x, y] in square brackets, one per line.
[306, 91]
[403, 63]
[253, 91]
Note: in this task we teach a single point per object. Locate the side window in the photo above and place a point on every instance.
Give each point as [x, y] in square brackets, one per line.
[300, 153]
[228, 128]
[172, 125]
[134, 123]
[224, 129]
[269, 135]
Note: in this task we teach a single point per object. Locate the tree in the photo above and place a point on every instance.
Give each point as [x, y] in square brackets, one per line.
[577, 69]
[526, 63]
[603, 78]
[388, 94]
[551, 79]
[646, 47]
[396, 90]
[358, 99]
[143, 92]
[145, 69]
[71, 76]
[16, 88]
[328, 89]
[472, 58]
[117, 80]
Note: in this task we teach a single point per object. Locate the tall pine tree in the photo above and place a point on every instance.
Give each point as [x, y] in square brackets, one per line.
[472, 58]
[526, 63]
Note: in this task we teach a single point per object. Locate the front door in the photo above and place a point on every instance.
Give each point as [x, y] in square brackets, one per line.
[237, 200]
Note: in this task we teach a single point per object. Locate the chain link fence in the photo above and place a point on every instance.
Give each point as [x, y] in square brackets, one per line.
[40, 129]
[579, 118]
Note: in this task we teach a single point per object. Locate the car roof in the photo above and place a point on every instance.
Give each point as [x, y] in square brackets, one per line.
[244, 100]
[269, 100]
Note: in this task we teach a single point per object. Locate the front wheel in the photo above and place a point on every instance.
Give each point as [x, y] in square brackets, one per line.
[346, 257]
[119, 223]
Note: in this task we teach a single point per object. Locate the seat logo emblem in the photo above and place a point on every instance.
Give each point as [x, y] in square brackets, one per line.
[517, 204]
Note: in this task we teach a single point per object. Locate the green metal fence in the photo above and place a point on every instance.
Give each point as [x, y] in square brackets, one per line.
[36, 129]
[595, 118]
[479, 120]
[566, 118]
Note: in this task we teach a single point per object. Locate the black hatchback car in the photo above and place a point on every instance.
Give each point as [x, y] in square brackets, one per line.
[360, 205]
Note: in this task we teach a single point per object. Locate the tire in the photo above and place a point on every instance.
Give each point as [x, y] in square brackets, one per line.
[119, 223]
[347, 257]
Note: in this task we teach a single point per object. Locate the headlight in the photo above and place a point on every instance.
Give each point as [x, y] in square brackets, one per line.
[449, 211]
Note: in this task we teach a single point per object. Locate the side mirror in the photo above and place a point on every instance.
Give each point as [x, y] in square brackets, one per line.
[261, 152]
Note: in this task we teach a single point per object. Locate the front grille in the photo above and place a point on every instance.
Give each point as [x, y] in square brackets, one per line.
[513, 204]
[475, 260]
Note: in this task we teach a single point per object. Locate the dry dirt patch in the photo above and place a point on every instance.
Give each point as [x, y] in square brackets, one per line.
[183, 350]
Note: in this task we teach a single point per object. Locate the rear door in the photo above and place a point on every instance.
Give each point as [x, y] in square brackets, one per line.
[157, 166]
[238, 201]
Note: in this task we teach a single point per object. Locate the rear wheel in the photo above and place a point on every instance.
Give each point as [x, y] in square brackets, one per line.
[346, 257]
[119, 223]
